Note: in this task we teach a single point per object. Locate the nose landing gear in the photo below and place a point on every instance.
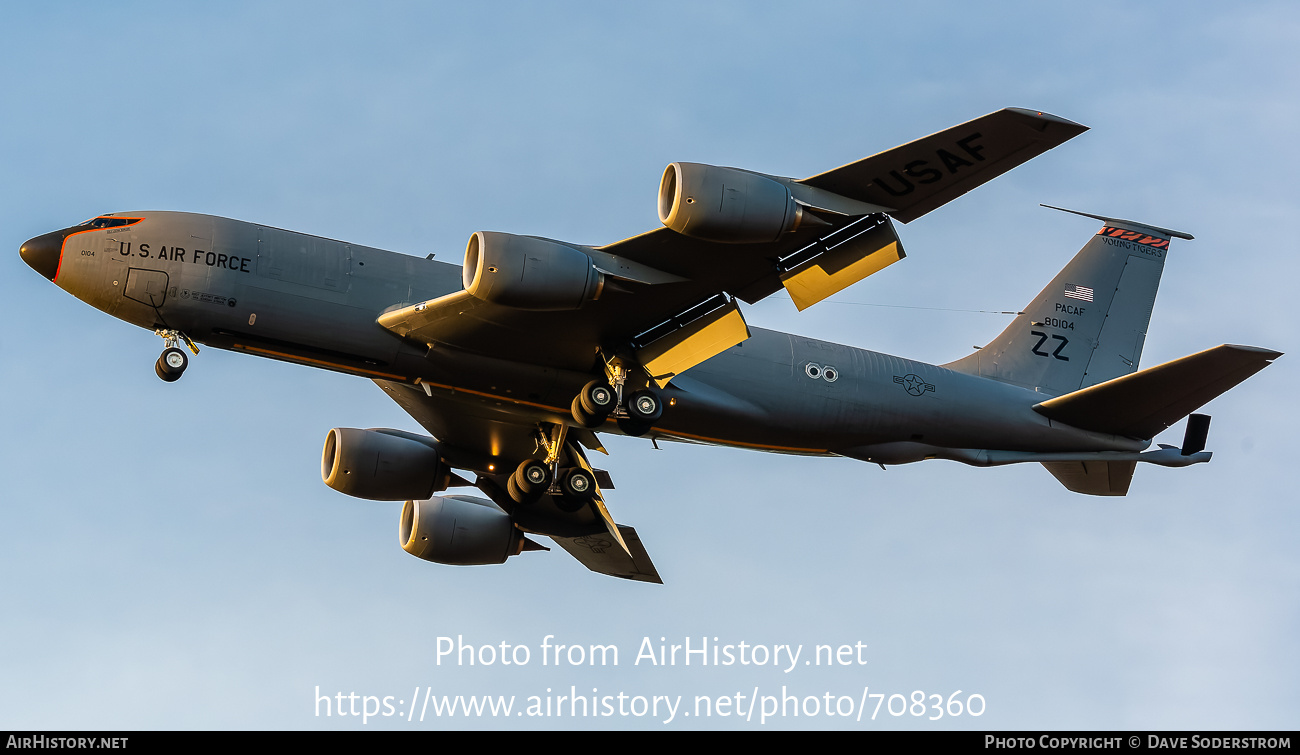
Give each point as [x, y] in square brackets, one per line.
[172, 363]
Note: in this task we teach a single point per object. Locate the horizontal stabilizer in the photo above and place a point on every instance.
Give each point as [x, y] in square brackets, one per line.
[1109, 221]
[1093, 477]
[603, 555]
[1144, 403]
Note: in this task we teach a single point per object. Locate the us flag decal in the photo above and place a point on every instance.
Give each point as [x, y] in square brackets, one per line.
[1082, 293]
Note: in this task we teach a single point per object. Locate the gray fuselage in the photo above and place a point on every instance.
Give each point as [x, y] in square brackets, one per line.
[313, 301]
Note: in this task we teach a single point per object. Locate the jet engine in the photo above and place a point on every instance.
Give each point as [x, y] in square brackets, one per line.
[529, 273]
[382, 465]
[726, 204]
[459, 530]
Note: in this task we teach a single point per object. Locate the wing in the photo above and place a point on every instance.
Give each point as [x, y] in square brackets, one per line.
[922, 175]
[659, 282]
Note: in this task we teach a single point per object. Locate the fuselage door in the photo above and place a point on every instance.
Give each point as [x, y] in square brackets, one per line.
[149, 287]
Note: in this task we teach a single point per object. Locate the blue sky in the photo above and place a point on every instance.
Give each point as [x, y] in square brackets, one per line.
[170, 559]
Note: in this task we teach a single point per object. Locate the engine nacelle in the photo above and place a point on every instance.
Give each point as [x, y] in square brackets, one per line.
[725, 204]
[459, 530]
[529, 273]
[382, 465]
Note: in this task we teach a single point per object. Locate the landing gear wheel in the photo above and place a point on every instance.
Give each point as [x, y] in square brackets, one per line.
[516, 495]
[171, 364]
[158, 370]
[632, 427]
[645, 406]
[519, 496]
[597, 398]
[532, 477]
[577, 487]
[583, 417]
[578, 484]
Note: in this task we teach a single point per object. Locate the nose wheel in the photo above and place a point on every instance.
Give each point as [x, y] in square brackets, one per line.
[173, 361]
[171, 365]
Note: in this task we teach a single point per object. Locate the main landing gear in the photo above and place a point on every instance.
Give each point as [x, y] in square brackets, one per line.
[173, 361]
[572, 487]
[635, 412]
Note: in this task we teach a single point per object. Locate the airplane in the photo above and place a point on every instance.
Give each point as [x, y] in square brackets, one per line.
[515, 361]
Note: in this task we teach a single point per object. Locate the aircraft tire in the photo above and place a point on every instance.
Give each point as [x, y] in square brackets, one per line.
[160, 370]
[582, 416]
[519, 496]
[598, 398]
[632, 427]
[578, 484]
[173, 361]
[532, 476]
[645, 406]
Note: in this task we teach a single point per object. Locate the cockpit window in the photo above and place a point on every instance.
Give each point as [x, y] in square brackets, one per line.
[107, 222]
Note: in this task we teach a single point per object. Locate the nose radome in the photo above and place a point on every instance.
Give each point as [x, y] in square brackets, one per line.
[42, 253]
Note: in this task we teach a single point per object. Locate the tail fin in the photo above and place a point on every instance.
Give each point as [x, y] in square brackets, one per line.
[1089, 325]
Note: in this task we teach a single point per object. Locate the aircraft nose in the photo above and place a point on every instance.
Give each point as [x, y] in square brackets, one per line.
[42, 253]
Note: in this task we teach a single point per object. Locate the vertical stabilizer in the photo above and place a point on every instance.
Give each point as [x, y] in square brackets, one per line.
[1090, 323]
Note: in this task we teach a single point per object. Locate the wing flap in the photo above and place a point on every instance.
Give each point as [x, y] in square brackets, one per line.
[703, 339]
[843, 263]
[1144, 403]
